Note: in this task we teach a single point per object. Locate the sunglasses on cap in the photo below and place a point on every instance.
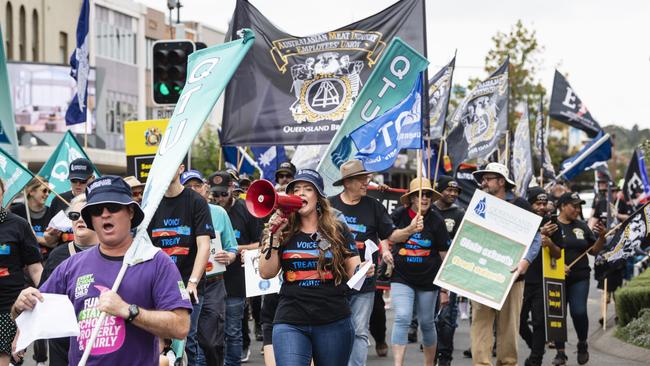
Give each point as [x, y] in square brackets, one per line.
[74, 215]
[97, 210]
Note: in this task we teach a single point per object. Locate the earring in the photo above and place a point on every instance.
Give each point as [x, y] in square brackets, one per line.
[319, 208]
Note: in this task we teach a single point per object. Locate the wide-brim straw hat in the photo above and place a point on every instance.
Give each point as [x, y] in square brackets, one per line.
[414, 186]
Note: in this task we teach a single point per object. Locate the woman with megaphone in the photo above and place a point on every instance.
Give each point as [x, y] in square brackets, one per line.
[317, 255]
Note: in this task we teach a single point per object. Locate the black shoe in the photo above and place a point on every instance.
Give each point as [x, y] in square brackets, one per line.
[583, 353]
[529, 362]
[444, 362]
[258, 333]
[560, 359]
[467, 353]
[413, 335]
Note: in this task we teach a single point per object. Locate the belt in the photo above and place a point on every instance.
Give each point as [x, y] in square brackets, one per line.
[214, 279]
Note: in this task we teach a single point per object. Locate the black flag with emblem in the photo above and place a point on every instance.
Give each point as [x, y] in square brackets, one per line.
[635, 187]
[632, 235]
[292, 90]
[439, 91]
[568, 108]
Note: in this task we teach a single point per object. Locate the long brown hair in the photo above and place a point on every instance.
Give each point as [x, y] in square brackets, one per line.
[330, 229]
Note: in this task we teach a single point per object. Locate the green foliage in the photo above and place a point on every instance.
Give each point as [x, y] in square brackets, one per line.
[637, 331]
[632, 298]
[206, 152]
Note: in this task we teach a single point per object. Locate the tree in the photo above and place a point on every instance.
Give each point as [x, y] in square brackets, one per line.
[206, 151]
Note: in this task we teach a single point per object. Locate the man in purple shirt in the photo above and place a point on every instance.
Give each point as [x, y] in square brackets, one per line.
[151, 302]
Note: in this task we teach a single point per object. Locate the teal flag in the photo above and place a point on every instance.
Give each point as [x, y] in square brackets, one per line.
[390, 82]
[14, 175]
[55, 170]
[8, 137]
[209, 71]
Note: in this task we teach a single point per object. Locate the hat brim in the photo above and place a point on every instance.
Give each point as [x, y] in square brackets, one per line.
[218, 189]
[72, 176]
[288, 188]
[138, 214]
[405, 197]
[284, 170]
[478, 177]
[340, 181]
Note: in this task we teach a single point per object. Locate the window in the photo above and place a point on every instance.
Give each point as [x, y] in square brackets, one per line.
[148, 51]
[63, 47]
[22, 35]
[116, 35]
[35, 36]
[9, 21]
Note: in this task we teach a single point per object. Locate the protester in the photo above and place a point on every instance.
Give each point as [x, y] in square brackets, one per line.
[39, 214]
[84, 238]
[533, 302]
[447, 319]
[137, 188]
[577, 239]
[416, 260]
[152, 301]
[213, 313]
[18, 252]
[247, 232]
[284, 174]
[182, 227]
[367, 219]
[317, 255]
[494, 179]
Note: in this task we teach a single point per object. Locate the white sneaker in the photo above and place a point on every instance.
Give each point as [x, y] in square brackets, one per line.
[245, 355]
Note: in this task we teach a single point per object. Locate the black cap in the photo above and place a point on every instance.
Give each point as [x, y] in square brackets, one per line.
[110, 189]
[80, 168]
[445, 181]
[286, 167]
[219, 181]
[536, 194]
[570, 197]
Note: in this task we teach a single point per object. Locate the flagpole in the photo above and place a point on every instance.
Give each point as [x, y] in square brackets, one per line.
[508, 148]
[48, 187]
[542, 152]
[604, 307]
[435, 173]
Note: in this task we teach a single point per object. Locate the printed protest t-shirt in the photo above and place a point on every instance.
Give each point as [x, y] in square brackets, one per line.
[575, 238]
[152, 285]
[39, 222]
[175, 226]
[18, 249]
[368, 219]
[305, 297]
[452, 216]
[418, 259]
[248, 230]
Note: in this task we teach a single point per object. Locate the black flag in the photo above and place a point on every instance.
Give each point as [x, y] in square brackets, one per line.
[439, 90]
[481, 119]
[635, 187]
[568, 108]
[296, 90]
[633, 234]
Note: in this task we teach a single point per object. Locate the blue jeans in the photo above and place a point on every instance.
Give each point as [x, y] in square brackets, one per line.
[234, 336]
[404, 299]
[576, 296]
[361, 305]
[329, 344]
[192, 344]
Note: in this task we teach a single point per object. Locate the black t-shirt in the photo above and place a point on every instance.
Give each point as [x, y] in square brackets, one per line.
[368, 219]
[575, 238]
[418, 259]
[305, 299]
[248, 229]
[58, 205]
[452, 217]
[18, 248]
[39, 221]
[175, 226]
[535, 271]
[57, 256]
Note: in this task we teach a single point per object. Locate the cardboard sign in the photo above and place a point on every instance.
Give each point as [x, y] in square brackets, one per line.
[493, 237]
[256, 285]
[554, 296]
[213, 267]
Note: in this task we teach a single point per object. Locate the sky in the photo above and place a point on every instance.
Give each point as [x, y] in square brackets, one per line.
[602, 46]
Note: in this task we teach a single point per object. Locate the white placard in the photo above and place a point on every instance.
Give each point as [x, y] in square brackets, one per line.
[360, 277]
[213, 267]
[256, 285]
[52, 318]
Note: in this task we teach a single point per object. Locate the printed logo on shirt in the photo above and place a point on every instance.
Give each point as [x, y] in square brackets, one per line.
[5, 249]
[303, 264]
[580, 235]
[415, 249]
[171, 231]
[351, 221]
[237, 234]
[450, 224]
[4, 272]
[111, 335]
[83, 283]
[38, 230]
[181, 288]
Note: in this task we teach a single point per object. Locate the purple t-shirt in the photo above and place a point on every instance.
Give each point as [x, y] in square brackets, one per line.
[152, 285]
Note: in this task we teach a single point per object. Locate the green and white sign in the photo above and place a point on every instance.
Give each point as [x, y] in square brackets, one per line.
[493, 237]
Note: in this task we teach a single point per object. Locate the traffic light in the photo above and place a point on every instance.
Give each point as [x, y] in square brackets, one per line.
[170, 69]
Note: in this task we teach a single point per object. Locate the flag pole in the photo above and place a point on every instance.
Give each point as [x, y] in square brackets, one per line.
[604, 307]
[435, 173]
[507, 149]
[48, 187]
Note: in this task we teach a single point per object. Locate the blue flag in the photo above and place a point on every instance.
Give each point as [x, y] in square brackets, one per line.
[80, 63]
[380, 140]
[233, 156]
[597, 150]
[269, 159]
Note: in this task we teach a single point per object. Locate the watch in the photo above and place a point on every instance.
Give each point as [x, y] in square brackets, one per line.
[134, 311]
[193, 280]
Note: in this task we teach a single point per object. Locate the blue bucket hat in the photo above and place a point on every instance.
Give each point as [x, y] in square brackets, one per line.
[310, 176]
[110, 189]
[191, 174]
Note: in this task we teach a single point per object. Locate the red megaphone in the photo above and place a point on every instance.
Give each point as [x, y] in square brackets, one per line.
[262, 200]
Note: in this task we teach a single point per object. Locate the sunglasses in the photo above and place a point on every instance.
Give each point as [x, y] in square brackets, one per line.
[136, 194]
[222, 194]
[487, 179]
[97, 210]
[46, 191]
[284, 175]
[79, 181]
[74, 215]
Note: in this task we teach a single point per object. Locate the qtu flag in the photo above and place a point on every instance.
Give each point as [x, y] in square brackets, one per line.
[635, 186]
[380, 140]
[268, 159]
[568, 108]
[390, 82]
[80, 63]
[439, 92]
[14, 175]
[541, 140]
[8, 137]
[522, 159]
[597, 150]
[55, 169]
